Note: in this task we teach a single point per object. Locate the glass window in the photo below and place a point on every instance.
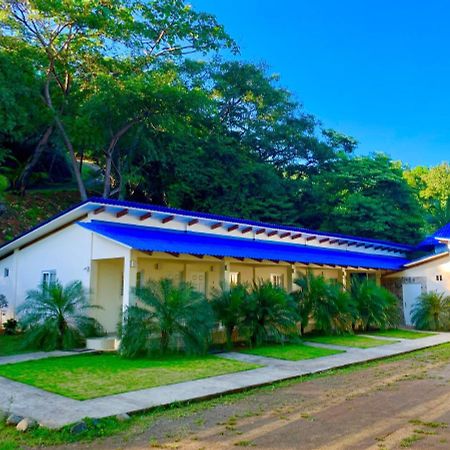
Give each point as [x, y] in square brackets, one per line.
[48, 277]
[276, 279]
[235, 277]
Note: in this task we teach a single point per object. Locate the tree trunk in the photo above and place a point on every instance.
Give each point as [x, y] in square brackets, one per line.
[67, 142]
[37, 153]
[165, 337]
[436, 320]
[229, 337]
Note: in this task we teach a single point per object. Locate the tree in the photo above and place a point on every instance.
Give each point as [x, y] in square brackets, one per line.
[228, 304]
[78, 41]
[376, 306]
[270, 314]
[432, 311]
[363, 196]
[168, 312]
[54, 316]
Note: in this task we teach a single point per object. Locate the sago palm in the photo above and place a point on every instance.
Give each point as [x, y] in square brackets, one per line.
[166, 312]
[432, 311]
[377, 307]
[270, 313]
[228, 304]
[55, 316]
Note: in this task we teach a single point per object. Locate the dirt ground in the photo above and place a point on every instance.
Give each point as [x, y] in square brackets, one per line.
[394, 404]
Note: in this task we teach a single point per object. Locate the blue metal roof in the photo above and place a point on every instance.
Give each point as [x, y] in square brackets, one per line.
[155, 239]
[168, 210]
[431, 241]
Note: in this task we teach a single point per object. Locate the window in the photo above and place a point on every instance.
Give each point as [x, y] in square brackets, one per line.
[48, 277]
[438, 277]
[6, 272]
[235, 277]
[276, 279]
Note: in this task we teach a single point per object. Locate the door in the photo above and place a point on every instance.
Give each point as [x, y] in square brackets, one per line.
[411, 292]
[198, 281]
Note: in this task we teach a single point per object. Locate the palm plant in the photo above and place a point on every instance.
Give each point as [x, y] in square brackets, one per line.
[432, 311]
[325, 301]
[55, 316]
[166, 311]
[376, 306]
[269, 313]
[228, 304]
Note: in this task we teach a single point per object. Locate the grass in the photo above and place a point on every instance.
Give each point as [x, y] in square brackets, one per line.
[292, 352]
[84, 377]
[349, 340]
[11, 439]
[401, 334]
[11, 345]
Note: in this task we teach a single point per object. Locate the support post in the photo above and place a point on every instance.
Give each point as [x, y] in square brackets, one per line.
[129, 279]
[344, 278]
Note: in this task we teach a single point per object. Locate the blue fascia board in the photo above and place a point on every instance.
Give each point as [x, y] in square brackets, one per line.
[155, 239]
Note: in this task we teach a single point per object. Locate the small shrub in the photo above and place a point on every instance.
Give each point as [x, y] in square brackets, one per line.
[54, 316]
[10, 327]
[229, 307]
[269, 314]
[376, 306]
[326, 302]
[432, 312]
[167, 312]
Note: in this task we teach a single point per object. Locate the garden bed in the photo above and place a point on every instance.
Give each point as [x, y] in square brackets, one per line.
[349, 340]
[84, 377]
[291, 352]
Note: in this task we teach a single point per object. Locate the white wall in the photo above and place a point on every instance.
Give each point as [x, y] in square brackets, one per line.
[67, 251]
[7, 283]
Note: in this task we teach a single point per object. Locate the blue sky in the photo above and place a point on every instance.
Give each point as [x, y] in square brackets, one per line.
[376, 70]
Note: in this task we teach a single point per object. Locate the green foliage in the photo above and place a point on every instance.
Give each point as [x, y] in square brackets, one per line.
[166, 312]
[432, 312]
[376, 306]
[54, 316]
[363, 196]
[270, 314]
[325, 301]
[229, 305]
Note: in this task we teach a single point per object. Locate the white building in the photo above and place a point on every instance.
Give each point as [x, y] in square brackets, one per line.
[111, 246]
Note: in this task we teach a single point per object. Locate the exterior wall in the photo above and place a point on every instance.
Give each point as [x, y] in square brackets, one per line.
[155, 268]
[7, 284]
[423, 274]
[67, 252]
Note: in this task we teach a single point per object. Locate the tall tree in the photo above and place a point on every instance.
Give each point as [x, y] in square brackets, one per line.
[77, 41]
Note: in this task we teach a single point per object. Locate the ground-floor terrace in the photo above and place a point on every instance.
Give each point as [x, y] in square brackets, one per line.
[113, 279]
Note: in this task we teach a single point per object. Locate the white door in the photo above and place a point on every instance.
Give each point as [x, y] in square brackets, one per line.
[411, 292]
[198, 281]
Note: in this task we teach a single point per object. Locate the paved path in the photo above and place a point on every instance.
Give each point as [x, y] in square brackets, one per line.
[38, 355]
[54, 410]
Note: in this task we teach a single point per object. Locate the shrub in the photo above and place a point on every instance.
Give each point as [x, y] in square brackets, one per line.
[432, 312]
[376, 306]
[269, 313]
[325, 301]
[10, 327]
[229, 307]
[167, 312]
[54, 316]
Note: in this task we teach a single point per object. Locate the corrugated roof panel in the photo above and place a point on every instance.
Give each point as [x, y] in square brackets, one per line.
[155, 239]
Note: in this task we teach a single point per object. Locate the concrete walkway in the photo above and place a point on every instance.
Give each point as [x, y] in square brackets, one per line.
[38, 355]
[54, 411]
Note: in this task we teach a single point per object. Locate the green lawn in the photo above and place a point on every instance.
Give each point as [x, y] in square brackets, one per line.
[349, 340]
[11, 345]
[88, 376]
[292, 352]
[402, 334]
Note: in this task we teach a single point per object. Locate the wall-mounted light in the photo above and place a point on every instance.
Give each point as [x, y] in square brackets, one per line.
[212, 268]
[156, 266]
[87, 268]
[132, 263]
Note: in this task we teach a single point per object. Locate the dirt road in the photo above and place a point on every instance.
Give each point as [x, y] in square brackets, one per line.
[393, 404]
